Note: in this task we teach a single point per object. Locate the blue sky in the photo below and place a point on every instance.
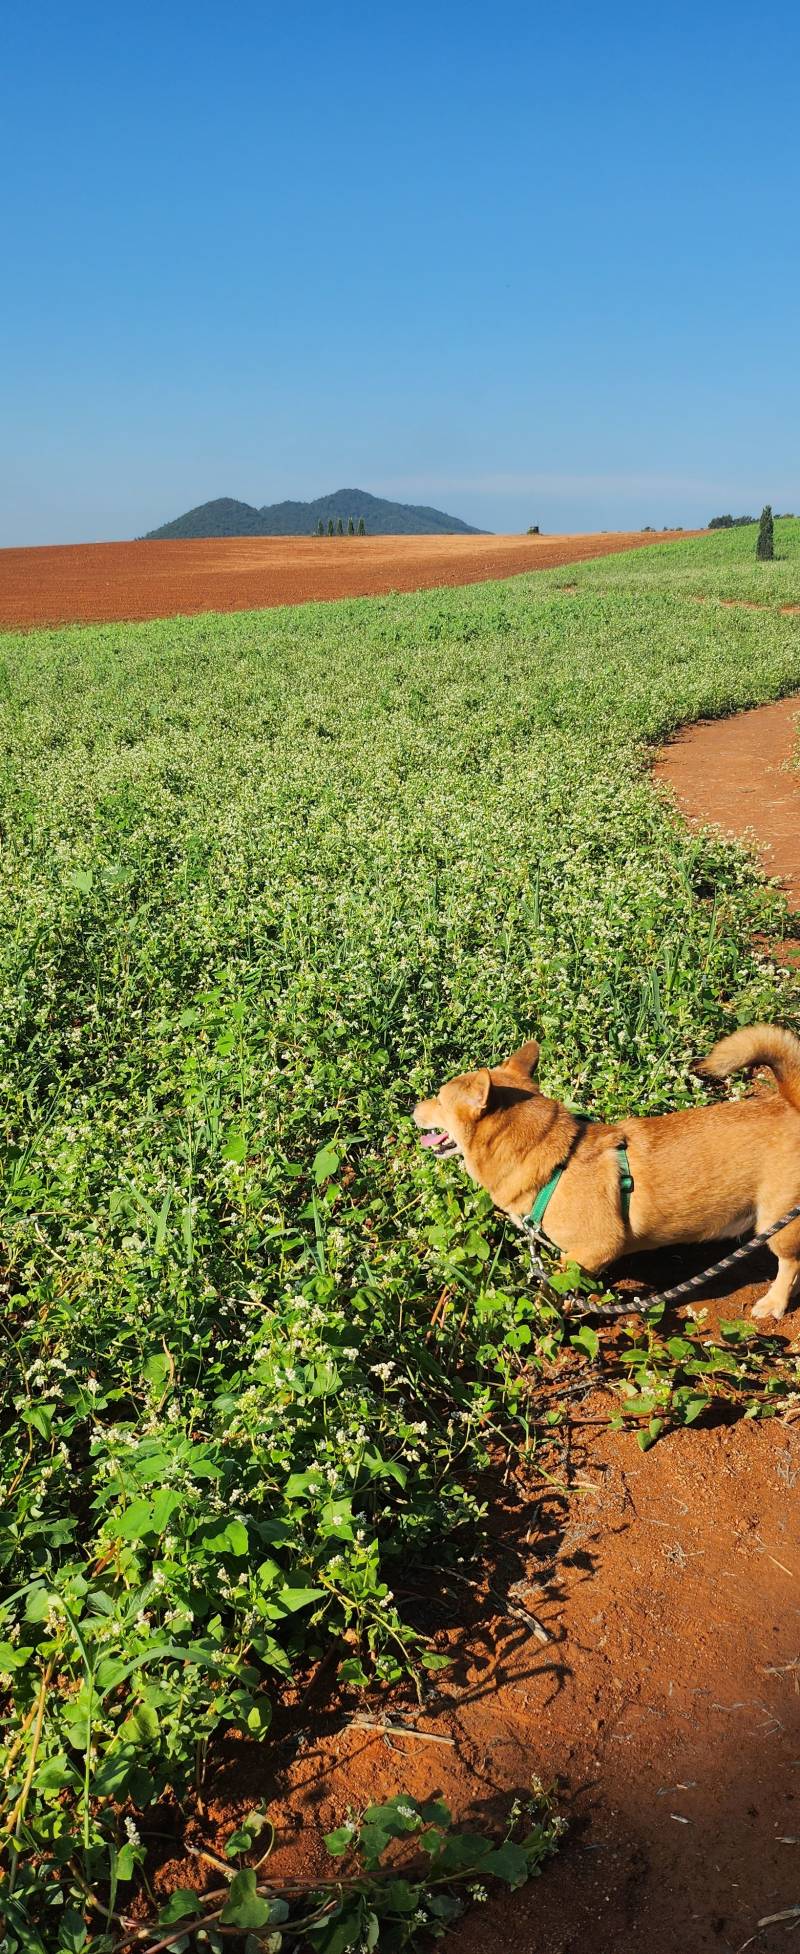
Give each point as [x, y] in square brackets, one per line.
[529, 264]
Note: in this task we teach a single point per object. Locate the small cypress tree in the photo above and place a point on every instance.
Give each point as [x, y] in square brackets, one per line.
[765, 546]
[320, 527]
[361, 527]
[330, 525]
[340, 527]
[351, 528]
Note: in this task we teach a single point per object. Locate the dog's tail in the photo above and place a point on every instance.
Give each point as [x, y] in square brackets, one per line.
[758, 1044]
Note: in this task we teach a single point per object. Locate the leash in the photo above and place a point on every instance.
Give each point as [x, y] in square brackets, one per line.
[639, 1304]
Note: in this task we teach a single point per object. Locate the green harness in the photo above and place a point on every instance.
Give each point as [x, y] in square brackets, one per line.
[537, 1213]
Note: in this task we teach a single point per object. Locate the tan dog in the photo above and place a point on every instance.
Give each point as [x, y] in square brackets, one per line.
[699, 1175]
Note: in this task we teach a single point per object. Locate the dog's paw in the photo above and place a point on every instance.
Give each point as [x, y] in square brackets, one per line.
[768, 1312]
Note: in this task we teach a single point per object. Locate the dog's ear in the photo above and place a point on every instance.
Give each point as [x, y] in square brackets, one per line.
[525, 1061]
[474, 1093]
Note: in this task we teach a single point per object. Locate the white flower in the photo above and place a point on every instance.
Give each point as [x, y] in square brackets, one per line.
[383, 1371]
[132, 1834]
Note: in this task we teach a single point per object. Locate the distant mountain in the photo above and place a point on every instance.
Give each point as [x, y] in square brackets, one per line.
[227, 517]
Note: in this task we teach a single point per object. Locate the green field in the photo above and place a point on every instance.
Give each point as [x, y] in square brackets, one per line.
[265, 879]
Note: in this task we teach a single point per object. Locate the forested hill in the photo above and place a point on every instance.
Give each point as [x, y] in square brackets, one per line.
[227, 517]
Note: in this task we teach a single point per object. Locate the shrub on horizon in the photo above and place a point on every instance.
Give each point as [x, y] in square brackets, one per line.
[361, 526]
[330, 525]
[765, 541]
[351, 528]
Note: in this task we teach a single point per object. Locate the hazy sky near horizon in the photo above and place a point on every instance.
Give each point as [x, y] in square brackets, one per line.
[528, 264]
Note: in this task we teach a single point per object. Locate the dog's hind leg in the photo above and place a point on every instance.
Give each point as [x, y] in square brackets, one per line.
[786, 1246]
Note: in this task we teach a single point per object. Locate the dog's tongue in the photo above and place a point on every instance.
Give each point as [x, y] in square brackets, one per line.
[432, 1139]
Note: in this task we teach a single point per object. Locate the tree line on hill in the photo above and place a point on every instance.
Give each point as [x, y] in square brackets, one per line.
[742, 522]
[730, 522]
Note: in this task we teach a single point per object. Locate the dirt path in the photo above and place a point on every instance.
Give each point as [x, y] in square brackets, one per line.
[737, 774]
[105, 582]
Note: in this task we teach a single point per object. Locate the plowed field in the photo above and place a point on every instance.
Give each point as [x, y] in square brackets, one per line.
[95, 583]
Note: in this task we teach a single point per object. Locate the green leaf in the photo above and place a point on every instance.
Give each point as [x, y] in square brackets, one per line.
[434, 1811]
[245, 1907]
[142, 1727]
[56, 1773]
[400, 1896]
[647, 1438]
[221, 1537]
[127, 1860]
[40, 1417]
[157, 1370]
[181, 1905]
[289, 1599]
[146, 1516]
[235, 1147]
[39, 1603]
[679, 1347]
[114, 1771]
[72, 1932]
[239, 1841]
[193, 1652]
[299, 1483]
[477, 1245]
[13, 1657]
[337, 1519]
[586, 1339]
[325, 1164]
[346, 1931]
[340, 1841]
[350, 1671]
[507, 1862]
[443, 1906]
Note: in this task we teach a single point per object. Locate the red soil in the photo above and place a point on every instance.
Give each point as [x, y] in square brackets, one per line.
[737, 774]
[91, 583]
